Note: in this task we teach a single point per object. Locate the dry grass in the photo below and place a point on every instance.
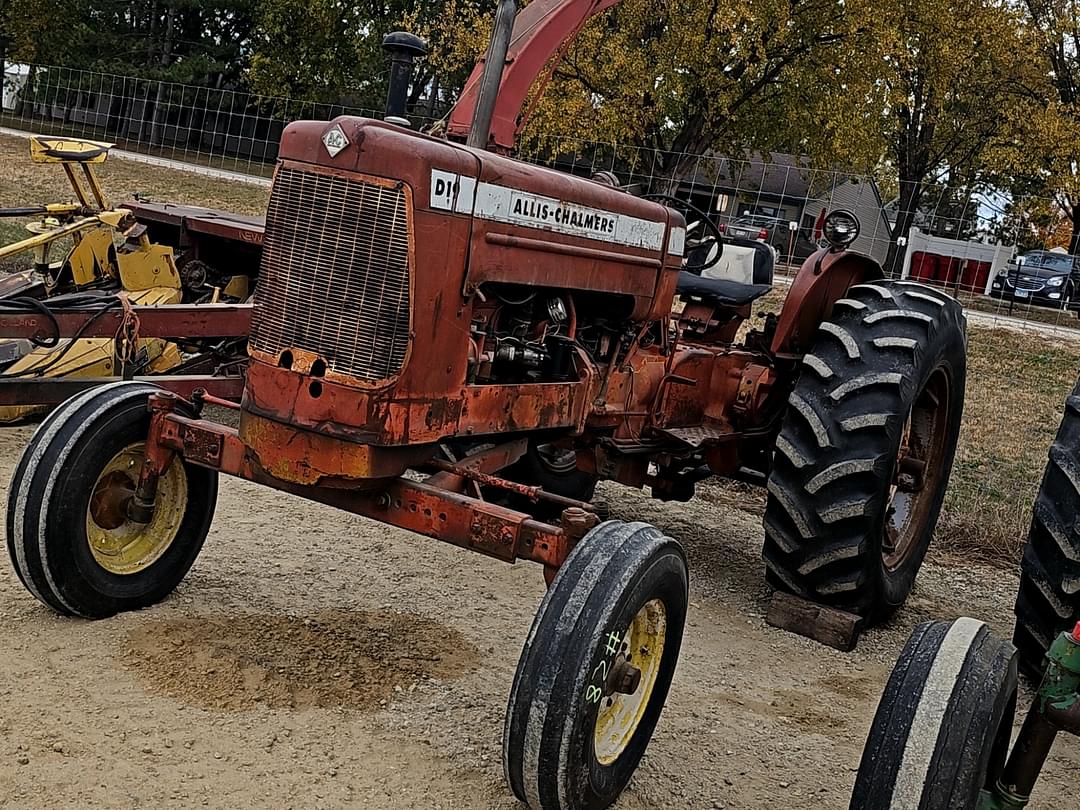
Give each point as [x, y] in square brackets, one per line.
[219, 161]
[1016, 389]
[1017, 382]
[26, 183]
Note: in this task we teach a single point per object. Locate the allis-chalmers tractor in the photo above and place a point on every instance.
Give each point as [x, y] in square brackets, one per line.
[432, 308]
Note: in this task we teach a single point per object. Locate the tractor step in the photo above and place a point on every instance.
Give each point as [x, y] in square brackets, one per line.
[827, 625]
[696, 436]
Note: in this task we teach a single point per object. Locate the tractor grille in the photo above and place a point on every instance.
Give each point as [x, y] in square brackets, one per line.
[334, 278]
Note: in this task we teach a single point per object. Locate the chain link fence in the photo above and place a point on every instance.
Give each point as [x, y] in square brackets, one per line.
[1005, 259]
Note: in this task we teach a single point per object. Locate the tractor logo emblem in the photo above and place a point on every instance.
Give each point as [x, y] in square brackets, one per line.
[334, 140]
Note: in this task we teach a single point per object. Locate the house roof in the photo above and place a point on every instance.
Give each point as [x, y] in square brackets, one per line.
[775, 176]
[779, 176]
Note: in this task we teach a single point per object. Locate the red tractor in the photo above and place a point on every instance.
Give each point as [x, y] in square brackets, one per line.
[460, 344]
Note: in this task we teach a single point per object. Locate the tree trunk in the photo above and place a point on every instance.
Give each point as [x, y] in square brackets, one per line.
[1074, 216]
[910, 196]
[433, 96]
[166, 60]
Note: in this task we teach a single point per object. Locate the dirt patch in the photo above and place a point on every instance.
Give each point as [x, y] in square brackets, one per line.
[328, 660]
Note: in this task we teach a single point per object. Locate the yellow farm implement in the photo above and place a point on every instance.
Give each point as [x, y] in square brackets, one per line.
[88, 251]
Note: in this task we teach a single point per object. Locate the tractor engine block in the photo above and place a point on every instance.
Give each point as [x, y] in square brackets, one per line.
[413, 290]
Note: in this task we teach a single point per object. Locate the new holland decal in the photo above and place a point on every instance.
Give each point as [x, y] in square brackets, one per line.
[464, 195]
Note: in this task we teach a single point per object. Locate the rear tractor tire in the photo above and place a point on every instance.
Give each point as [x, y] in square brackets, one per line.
[1049, 597]
[941, 731]
[865, 449]
[69, 537]
[596, 668]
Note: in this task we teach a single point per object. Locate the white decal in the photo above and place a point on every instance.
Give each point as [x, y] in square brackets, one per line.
[677, 243]
[464, 195]
[452, 192]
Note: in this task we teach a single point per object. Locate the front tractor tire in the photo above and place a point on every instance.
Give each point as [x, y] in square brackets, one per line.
[69, 537]
[941, 731]
[596, 668]
[865, 449]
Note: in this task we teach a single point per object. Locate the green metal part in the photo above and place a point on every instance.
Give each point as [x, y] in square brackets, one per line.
[1001, 798]
[1059, 690]
[1060, 685]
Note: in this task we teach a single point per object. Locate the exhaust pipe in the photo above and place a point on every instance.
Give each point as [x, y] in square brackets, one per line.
[491, 78]
[403, 48]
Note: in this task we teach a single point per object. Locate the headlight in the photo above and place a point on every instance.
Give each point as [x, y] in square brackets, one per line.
[1056, 281]
[840, 228]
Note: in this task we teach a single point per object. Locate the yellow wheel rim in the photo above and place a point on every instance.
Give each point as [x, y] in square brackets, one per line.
[620, 713]
[119, 545]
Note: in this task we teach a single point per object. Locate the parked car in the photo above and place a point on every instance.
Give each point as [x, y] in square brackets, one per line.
[773, 232]
[1043, 277]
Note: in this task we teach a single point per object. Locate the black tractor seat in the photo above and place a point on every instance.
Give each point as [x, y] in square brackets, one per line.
[720, 291]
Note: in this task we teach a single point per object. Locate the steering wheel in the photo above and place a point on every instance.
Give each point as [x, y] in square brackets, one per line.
[704, 241]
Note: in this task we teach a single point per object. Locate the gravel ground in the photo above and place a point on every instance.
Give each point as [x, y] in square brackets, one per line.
[316, 660]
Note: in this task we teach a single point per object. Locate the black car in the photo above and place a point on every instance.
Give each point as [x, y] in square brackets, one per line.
[1042, 277]
[772, 231]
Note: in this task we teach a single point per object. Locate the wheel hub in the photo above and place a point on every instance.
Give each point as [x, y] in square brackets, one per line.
[909, 474]
[629, 682]
[917, 470]
[122, 546]
[624, 677]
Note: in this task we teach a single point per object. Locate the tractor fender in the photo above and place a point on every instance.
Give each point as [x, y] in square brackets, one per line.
[824, 278]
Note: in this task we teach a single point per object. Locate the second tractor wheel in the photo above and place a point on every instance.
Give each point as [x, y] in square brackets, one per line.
[865, 450]
[69, 535]
[941, 731]
[596, 667]
[1049, 597]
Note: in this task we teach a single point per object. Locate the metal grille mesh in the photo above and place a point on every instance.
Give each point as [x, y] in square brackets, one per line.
[1035, 284]
[334, 278]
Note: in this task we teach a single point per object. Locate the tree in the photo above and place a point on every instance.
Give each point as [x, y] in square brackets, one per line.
[331, 50]
[682, 77]
[1042, 159]
[185, 41]
[949, 71]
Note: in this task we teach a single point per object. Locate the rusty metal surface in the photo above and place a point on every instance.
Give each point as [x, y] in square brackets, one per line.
[200, 220]
[398, 274]
[821, 281]
[533, 493]
[336, 271]
[171, 321]
[301, 382]
[309, 458]
[419, 507]
[21, 282]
